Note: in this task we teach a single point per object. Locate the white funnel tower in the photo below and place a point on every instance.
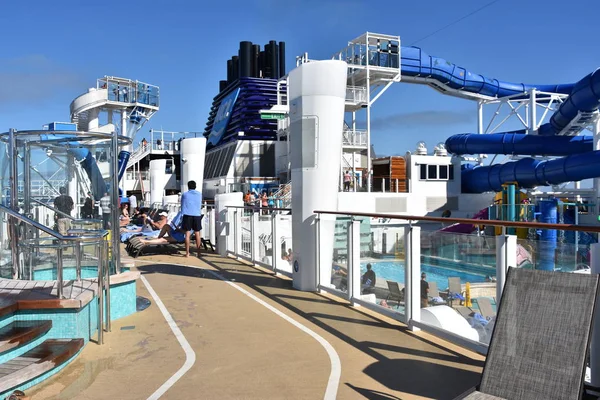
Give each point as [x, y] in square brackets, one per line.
[317, 92]
[193, 151]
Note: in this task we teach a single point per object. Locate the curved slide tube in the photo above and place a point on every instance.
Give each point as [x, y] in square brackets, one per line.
[518, 143]
[529, 172]
[585, 97]
[416, 63]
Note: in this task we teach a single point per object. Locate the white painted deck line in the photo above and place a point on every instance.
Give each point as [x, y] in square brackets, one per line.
[336, 365]
[334, 359]
[190, 355]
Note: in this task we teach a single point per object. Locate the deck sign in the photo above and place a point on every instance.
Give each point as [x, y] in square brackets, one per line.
[222, 118]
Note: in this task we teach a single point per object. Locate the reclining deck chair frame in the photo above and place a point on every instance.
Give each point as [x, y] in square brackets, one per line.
[541, 337]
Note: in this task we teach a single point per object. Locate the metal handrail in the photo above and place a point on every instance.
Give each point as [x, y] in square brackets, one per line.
[470, 221]
[45, 229]
[75, 220]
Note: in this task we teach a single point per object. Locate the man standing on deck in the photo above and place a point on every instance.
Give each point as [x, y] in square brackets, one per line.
[63, 203]
[191, 208]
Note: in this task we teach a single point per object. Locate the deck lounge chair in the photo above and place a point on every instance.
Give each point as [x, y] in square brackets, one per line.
[485, 307]
[455, 291]
[395, 293]
[541, 336]
[434, 294]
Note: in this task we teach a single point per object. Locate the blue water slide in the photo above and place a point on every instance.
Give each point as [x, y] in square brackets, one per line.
[529, 172]
[585, 97]
[416, 63]
[518, 143]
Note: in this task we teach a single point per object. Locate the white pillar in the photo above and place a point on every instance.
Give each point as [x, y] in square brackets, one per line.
[532, 114]
[354, 260]
[93, 119]
[317, 97]
[480, 125]
[506, 256]
[412, 276]
[158, 180]
[193, 151]
[595, 344]
[224, 220]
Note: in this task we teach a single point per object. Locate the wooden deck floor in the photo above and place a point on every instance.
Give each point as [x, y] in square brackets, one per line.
[244, 350]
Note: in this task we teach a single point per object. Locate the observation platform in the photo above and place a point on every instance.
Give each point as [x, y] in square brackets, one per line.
[247, 326]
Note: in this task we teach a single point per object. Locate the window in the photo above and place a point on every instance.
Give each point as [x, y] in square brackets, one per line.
[432, 171]
[423, 172]
[443, 172]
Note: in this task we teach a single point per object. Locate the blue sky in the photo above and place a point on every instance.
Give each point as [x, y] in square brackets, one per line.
[52, 51]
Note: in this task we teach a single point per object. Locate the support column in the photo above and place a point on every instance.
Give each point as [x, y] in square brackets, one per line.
[354, 260]
[114, 185]
[317, 102]
[595, 344]
[597, 180]
[14, 205]
[412, 276]
[369, 183]
[27, 179]
[480, 125]
[506, 256]
[532, 113]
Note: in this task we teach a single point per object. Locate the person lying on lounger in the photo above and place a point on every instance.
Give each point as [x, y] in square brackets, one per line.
[170, 233]
[158, 225]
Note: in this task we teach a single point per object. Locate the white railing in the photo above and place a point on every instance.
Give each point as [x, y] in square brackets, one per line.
[356, 94]
[261, 236]
[354, 137]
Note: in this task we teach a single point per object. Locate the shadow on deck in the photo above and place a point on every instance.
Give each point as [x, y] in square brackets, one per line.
[404, 362]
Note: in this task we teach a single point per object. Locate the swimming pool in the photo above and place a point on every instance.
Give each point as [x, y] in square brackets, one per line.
[394, 271]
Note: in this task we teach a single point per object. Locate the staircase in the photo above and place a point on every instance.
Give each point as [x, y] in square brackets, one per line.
[138, 154]
[284, 196]
[28, 350]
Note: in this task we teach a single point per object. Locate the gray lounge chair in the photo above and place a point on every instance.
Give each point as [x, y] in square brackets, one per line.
[434, 293]
[541, 336]
[485, 307]
[395, 293]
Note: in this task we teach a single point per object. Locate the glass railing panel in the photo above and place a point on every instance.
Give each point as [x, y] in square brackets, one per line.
[245, 246]
[460, 271]
[264, 236]
[283, 241]
[382, 251]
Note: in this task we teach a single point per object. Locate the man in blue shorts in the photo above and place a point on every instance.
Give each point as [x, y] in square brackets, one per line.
[191, 208]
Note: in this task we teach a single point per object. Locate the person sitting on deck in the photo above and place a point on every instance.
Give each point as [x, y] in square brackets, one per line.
[368, 280]
[170, 233]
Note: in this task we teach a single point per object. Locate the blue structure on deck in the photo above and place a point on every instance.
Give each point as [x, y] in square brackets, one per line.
[584, 98]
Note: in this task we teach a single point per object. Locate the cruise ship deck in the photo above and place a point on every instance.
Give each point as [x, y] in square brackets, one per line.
[242, 332]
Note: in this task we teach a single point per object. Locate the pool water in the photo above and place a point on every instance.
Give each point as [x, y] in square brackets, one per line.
[69, 273]
[394, 271]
